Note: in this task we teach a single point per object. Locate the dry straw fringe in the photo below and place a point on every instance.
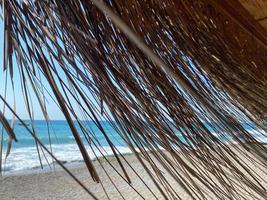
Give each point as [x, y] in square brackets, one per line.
[150, 68]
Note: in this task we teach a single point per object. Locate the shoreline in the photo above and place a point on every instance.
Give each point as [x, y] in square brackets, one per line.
[54, 167]
[74, 164]
[57, 184]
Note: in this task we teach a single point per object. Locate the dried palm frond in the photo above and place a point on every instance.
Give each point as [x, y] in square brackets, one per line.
[153, 69]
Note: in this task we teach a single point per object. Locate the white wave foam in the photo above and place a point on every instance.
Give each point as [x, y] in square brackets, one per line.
[25, 158]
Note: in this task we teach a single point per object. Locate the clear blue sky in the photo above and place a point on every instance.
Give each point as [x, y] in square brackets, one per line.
[53, 111]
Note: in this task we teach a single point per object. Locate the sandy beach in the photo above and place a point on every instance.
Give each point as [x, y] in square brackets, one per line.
[59, 185]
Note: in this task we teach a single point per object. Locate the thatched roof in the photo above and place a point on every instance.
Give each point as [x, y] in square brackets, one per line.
[258, 9]
[150, 67]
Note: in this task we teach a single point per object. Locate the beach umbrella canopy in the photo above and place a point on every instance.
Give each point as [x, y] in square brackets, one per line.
[159, 71]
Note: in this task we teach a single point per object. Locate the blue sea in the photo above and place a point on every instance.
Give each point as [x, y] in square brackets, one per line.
[24, 156]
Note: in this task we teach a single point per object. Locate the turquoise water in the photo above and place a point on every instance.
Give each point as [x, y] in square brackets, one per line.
[24, 155]
[60, 133]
